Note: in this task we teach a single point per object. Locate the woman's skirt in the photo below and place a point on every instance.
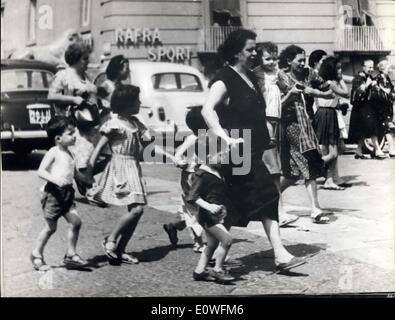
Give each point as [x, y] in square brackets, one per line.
[254, 195]
[296, 165]
[326, 126]
[364, 122]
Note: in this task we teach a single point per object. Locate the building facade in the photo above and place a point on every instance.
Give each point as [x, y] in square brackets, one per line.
[189, 31]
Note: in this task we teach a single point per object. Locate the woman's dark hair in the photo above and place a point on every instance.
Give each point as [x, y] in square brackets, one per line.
[234, 44]
[115, 66]
[328, 69]
[195, 121]
[124, 97]
[75, 52]
[315, 57]
[288, 54]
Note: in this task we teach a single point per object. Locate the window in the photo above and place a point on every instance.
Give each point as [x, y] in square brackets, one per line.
[32, 20]
[190, 82]
[14, 80]
[165, 81]
[176, 82]
[86, 13]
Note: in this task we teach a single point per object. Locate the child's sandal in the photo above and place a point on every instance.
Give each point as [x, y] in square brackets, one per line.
[128, 258]
[38, 263]
[110, 253]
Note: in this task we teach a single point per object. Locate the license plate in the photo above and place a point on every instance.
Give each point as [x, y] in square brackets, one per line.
[39, 113]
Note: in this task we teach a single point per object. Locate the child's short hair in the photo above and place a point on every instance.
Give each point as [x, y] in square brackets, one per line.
[269, 47]
[124, 97]
[195, 121]
[57, 125]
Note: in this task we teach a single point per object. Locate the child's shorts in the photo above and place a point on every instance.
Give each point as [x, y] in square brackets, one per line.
[56, 201]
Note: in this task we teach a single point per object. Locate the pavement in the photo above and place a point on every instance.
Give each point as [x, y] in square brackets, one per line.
[353, 253]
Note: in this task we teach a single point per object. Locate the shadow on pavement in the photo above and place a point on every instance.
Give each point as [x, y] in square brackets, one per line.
[264, 261]
[12, 162]
[158, 253]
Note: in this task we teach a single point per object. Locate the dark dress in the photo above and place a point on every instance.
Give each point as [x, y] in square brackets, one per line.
[254, 194]
[212, 189]
[364, 122]
[384, 101]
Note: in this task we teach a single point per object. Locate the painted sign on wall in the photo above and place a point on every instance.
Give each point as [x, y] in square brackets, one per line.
[151, 39]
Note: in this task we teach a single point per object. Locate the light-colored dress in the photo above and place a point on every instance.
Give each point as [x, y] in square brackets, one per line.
[272, 96]
[121, 182]
[271, 93]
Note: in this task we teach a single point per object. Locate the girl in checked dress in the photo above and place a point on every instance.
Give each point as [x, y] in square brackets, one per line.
[121, 182]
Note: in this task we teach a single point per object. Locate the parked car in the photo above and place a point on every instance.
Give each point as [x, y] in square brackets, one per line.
[25, 108]
[168, 91]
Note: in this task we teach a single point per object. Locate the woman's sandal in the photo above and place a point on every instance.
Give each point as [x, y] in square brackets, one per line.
[128, 258]
[39, 263]
[110, 253]
[320, 218]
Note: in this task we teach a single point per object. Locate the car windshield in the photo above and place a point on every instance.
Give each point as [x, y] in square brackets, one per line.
[176, 82]
[22, 80]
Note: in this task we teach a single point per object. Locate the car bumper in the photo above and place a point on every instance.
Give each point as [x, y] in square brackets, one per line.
[13, 135]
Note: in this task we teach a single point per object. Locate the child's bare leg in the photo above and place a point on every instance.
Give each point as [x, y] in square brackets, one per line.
[272, 229]
[133, 217]
[286, 183]
[220, 233]
[43, 237]
[212, 244]
[75, 223]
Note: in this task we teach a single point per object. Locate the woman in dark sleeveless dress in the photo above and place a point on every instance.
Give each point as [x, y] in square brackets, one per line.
[235, 102]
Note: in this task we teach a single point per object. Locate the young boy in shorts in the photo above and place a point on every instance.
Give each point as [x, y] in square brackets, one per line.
[58, 169]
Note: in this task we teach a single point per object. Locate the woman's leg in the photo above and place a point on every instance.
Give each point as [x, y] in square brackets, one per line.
[332, 165]
[358, 150]
[272, 229]
[126, 226]
[285, 218]
[377, 149]
[311, 188]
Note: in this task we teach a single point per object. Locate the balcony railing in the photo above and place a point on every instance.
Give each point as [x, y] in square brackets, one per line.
[213, 37]
[362, 38]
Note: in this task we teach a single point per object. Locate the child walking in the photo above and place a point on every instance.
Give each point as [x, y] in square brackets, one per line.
[187, 211]
[267, 75]
[210, 193]
[58, 169]
[121, 182]
[326, 124]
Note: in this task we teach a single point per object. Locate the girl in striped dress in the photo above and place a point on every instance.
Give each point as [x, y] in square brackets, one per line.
[121, 182]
